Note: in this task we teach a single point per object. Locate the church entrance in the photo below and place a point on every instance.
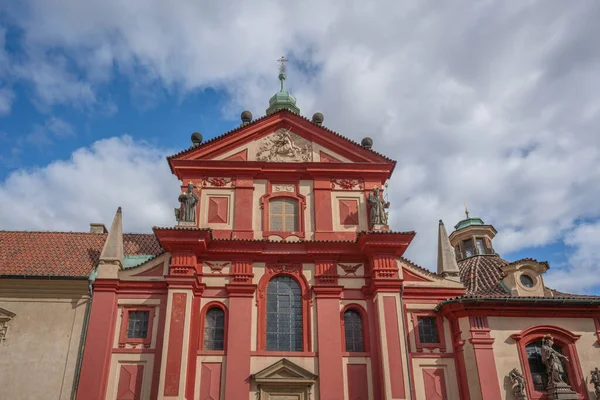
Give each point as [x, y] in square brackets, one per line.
[284, 380]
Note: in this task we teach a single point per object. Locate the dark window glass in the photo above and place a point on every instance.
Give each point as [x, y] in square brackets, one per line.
[427, 330]
[283, 215]
[539, 376]
[137, 324]
[353, 330]
[214, 329]
[480, 246]
[468, 248]
[284, 315]
[526, 281]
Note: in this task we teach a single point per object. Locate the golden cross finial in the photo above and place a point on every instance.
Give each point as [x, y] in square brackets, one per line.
[466, 210]
[282, 60]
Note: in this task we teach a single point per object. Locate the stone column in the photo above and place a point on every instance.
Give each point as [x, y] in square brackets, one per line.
[243, 209]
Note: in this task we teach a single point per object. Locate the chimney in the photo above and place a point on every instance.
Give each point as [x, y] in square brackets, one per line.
[98, 228]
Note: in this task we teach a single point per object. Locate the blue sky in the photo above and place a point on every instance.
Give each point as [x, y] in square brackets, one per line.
[495, 105]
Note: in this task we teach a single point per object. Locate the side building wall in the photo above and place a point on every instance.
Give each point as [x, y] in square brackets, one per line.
[39, 353]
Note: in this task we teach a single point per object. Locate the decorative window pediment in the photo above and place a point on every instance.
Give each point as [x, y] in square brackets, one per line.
[5, 317]
[284, 372]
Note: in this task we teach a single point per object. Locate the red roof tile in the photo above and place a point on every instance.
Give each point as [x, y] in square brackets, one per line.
[482, 274]
[73, 254]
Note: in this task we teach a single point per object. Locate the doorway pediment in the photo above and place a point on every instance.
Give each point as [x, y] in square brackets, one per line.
[284, 372]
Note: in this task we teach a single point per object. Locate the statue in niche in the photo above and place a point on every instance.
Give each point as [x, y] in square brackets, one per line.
[596, 382]
[188, 200]
[552, 360]
[378, 206]
[518, 384]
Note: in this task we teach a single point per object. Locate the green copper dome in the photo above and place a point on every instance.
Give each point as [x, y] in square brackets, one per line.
[468, 222]
[282, 100]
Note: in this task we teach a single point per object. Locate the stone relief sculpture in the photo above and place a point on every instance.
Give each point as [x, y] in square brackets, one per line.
[378, 206]
[596, 382]
[284, 146]
[552, 359]
[518, 384]
[188, 200]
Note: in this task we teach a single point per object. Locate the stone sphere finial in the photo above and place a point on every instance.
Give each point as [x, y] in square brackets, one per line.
[367, 143]
[196, 138]
[246, 117]
[318, 118]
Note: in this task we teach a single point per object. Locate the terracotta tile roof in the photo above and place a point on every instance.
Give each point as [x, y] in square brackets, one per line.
[68, 254]
[482, 274]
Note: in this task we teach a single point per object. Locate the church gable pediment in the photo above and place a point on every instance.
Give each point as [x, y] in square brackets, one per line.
[6, 315]
[284, 372]
[281, 137]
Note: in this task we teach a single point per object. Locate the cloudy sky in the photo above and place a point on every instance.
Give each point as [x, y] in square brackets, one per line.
[492, 103]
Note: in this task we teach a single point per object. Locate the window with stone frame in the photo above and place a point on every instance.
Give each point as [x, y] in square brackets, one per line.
[283, 215]
[214, 329]
[428, 332]
[537, 369]
[353, 331]
[284, 330]
[137, 324]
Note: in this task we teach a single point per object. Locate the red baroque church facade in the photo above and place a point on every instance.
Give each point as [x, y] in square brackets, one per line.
[281, 280]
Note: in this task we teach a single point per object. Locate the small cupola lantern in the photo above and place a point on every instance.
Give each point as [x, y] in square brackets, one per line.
[282, 99]
[472, 237]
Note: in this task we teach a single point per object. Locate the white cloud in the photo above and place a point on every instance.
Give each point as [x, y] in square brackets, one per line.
[68, 195]
[494, 104]
[7, 97]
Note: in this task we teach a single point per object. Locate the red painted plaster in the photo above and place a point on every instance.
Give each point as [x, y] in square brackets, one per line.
[394, 353]
[174, 352]
[210, 381]
[322, 206]
[130, 382]
[376, 366]
[331, 372]
[239, 156]
[193, 348]
[484, 358]
[98, 344]
[435, 384]
[237, 369]
[243, 209]
[358, 386]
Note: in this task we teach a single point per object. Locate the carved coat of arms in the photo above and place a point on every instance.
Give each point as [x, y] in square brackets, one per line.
[284, 146]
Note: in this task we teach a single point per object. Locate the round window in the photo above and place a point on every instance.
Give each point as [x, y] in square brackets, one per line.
[526, 281]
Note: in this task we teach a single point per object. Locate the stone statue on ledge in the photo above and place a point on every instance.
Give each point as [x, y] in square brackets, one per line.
[186, 214]
[552, 359]
[518, 384]
[596, 382]
[378, 215]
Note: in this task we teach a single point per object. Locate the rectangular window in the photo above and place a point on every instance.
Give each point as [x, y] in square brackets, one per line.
[283, 215]
[137, 324]
[468, 248]
[428, 330]
[480, 246]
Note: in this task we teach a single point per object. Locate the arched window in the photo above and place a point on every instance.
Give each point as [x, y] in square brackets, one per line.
[283, 215]
[353, 331]
[284, 315]
[539, 376]
[214, 329]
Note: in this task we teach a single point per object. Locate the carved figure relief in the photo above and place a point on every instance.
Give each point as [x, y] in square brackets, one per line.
[518, 384]
[188, 200]
[284, 146]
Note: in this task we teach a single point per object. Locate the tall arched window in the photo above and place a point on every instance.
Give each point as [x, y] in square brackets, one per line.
[539, 376]
[283, 215]
[284, 315]
[214, 329]
[353, 331]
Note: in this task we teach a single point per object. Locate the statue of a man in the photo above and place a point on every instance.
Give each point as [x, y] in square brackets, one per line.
[188, 200]
[596, 382]
[378, 206]
[552, 360]
[518, 383]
